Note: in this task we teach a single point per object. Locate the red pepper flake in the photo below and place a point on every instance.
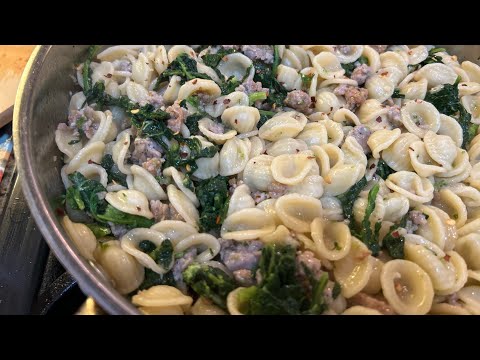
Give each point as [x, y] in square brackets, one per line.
[236, 121]
[60, 212]
[395, 234]
[125, 143]
[372, 166]
[215, 102]
[411, 149]
[310, 157]
[139, 208]
[297, 150]
[194, 81]
[217, 220]
[226, 101]
[464, 85]
[447, 257]
[378, 119]
[331, 108]
[108, 76]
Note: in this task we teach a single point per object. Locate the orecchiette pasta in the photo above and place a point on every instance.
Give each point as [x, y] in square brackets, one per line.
[277, 179]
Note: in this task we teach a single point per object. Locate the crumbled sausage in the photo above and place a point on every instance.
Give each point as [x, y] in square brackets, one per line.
[145, 149]
[361, 73]
[180, 265]
[300, 101]
[259, 52]
[250, 86]
[178, 116]
[238, 255]
[163, 211]
[417, 217]
[153, 166]
[354, 96]
[361, 134]
[379, 48]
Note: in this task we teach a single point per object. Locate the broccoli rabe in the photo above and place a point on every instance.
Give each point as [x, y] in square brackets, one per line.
[209, 282]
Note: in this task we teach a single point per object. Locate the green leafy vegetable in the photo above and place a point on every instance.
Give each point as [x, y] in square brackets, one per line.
[213, 197]
[264, 116]
[393, 242]
[228, 86]
[432, 58]
[209, 282]
[348, 198]
[118, 217]
[114, 174]
[446, 100]
[276, 60]
[264, 73]
[469, 130]
[319, 304]
[75, 141]
[192, 123]
[439, 184]
[213, 60]
[183, 66]
[163, 254]
[306, 80]
[351, 66]
[383, 170]
[186, 153]
[154, 279]
[74, 199]
[188, 183]
[98, 230]
[397, 94]
[147, 246]
[365, 234]
[99, 209]
[337, 290]
[253, 97]
[86, 71]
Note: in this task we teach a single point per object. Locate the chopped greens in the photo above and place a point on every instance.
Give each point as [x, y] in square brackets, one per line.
[183, 66]
[256, 96]
[264, 116]
[383, 170]
[306, 80]
[186, 153]
[393, 242]
[114, 174]
[98, 230]
[397, 94]
[351, 66]
[213, 60]
[191, 122]
[365, 234]
[348, 198]
[209, 282]
[213, 197]
[264, 73]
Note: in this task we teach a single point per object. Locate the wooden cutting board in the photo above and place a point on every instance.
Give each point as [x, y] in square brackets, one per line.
[13, 59]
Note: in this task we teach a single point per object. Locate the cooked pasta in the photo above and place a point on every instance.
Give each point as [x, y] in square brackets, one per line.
[285, 179]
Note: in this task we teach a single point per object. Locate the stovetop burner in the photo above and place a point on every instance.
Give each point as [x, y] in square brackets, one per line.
[32, 281]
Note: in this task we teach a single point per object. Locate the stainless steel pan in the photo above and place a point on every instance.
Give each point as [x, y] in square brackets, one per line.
[41, 103]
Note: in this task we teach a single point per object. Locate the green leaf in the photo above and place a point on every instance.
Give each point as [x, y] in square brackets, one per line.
[154, 279]
[86, 71]
[192, 123]
[253, 97]
[213, 60]
[264, 73]
[183, 66]
[446, 100]
[98, 230]
[337, 290]
[118, 217]
[187, 153]
[276, 60]
[394, 243]
[213, 197]
[264, 116]
[351, 66]
[306, 80]
[114, 173]
[74, 199]
[383, 170]
[228, 86]
[163, 254]
[397, 94]
[366, 235]
[147, 246]
[348, 198]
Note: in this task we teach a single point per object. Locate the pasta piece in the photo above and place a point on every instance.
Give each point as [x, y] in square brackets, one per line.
[346, 117]
[236, 98]
[289, 77]
[468, 247]
[160, 61]
[461, 273]
[235, 64]
[379, 88]
[67, 142]
[283, 125]
[327, 102]
[331, 208]
[196, 86]
[207, 241]
[178, 50]
[332, 239]
[286, 146]
[382, 139]
[204, 306]
[470, 295]
[436, 74]
[240, 199]
[145, 182]
[241, 118]
[183, 205]
[82, 237]
[258, 147]
[298, 211]
[468, 88]
[172, 90]
[130, 243]
[131, 202]
[91, 152]
[410, 185]
[328, 156]
[161, 296]
[420, 116]
[179, 178]
[450, 127]
[120, 150]
[311, 185]
[453, 205]
[247, 224]
[327, 65]
[407, 287]
[122, 268]
[233, 157]
[374, 286]
[361, 310]
[94, 171]
[233, 305]
[415, 90]
[257, 173]
[206, 124]
[473, 70]
[291, 169]
[342, 177]
[349, 53]
[422, 163]
[354, 270]
[312, 134]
